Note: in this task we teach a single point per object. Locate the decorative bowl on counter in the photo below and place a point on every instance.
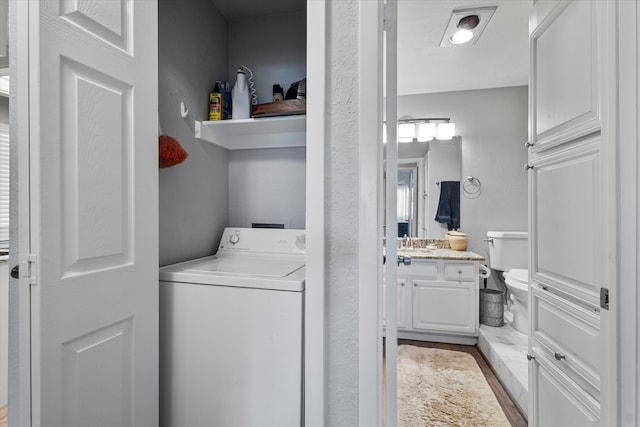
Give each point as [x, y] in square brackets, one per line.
[457, 240]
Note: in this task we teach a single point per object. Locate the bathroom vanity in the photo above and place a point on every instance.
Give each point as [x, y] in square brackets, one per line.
[438, 296]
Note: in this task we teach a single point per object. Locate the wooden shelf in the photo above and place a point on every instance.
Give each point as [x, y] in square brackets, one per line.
[271, 132]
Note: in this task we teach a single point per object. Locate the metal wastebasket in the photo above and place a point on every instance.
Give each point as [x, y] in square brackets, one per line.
[491, 307]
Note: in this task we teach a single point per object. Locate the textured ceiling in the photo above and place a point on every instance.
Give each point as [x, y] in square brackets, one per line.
[499, 59]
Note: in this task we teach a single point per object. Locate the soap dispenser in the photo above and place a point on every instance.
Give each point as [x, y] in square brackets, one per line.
[241, 98]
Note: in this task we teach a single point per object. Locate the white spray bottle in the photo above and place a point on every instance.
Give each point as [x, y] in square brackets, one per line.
[240, 97]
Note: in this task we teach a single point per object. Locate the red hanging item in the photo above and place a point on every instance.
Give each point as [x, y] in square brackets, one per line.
[171, 152]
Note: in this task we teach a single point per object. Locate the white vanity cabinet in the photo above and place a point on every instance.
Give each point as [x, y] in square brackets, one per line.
[438, 300]
[401, 308]
[439, 306]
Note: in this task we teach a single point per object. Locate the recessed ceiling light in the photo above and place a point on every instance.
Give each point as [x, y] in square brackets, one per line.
[461, 36]
[466, 25]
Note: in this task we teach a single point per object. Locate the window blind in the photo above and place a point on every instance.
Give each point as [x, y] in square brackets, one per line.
[4, 185]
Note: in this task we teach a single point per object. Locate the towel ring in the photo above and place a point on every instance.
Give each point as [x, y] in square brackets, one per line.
[471, 185]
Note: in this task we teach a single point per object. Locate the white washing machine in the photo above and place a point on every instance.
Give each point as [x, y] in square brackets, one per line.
[231, 333]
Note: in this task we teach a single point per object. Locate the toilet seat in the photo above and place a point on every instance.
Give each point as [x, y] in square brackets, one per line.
[518, 278]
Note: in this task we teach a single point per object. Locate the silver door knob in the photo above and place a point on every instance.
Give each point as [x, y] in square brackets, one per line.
[559, 356]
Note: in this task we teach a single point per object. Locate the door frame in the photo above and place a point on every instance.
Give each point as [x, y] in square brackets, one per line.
[628, 296]
[315, 264]
[19, 293]
[370, 214]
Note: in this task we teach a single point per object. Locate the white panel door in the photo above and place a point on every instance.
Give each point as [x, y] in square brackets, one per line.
[572, 213]
[94, 212]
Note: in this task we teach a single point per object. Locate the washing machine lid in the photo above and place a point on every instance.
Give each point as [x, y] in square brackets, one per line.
[519, 274]
[246, 265]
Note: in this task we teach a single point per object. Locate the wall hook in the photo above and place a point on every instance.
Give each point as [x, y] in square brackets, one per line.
[183, 111]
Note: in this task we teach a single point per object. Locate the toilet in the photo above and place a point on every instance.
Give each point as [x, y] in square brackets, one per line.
[508, 254]
[517, 281]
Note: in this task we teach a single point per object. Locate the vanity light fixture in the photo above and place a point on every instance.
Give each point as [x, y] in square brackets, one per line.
[466, 25]
[422, 130]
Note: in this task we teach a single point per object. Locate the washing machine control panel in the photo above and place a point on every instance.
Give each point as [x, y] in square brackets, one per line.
[234, 238]
[269, 240]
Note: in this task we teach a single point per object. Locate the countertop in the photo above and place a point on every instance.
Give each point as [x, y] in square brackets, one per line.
[422, 253]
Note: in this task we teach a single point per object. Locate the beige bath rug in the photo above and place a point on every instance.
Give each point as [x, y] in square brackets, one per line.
[438, 388]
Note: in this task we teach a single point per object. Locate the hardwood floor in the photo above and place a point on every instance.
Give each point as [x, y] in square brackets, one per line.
[4, 418]
[510, 410]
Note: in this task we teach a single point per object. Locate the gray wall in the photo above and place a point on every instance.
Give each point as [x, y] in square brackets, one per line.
[268, 185]
[492, 124]
[273, 47]
[192, 55]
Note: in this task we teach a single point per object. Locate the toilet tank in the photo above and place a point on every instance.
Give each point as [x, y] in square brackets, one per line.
[508, 249]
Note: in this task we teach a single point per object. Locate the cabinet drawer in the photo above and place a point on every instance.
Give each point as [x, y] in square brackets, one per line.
[571, 333]
[422, 269]
[460, 272]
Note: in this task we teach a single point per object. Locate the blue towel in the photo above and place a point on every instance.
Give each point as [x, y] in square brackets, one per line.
[449, 205]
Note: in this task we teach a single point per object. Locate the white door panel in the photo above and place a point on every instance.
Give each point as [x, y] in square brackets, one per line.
[566, 219]
[572, 332]
[94, 213]
[564, 67]
[556, 401]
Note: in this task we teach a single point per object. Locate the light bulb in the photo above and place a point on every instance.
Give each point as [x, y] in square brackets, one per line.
[461, 37]
[406, 132]
[446, 131]
[426, 131]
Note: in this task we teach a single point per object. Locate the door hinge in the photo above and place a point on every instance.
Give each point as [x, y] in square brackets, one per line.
[604, 298]
[30, 270]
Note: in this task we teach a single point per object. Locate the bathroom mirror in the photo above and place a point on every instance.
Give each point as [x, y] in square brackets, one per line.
[422, 166]
[407, 200]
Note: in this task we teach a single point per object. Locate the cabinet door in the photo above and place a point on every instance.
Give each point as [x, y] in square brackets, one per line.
[556, 401]
[401, 304]
[445, 306]
[564, 92]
